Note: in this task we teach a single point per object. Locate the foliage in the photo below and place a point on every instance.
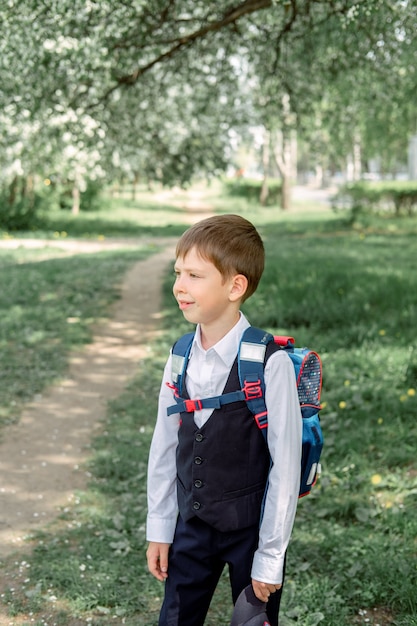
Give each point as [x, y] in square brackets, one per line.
[157, 91]
[92, 197]
[400, 196]
[361, 104]
[20, 205]
[324, 74]
[337, 291]
[26, 203]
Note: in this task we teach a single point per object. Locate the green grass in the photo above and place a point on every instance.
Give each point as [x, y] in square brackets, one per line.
[148, 214]
[351, 295]
[126, 218]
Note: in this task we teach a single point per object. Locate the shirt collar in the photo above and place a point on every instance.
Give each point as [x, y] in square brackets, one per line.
[227, 348]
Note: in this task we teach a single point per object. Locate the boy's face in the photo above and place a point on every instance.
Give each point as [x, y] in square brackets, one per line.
[203, 294]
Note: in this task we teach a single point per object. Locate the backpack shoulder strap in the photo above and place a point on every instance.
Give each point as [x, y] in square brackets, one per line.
[251, 364]
[180, 355]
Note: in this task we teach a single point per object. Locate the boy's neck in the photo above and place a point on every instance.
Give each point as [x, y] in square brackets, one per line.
[210, 334]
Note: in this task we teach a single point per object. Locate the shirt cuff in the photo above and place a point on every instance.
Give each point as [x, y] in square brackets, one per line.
[160, 529]
[268, 569]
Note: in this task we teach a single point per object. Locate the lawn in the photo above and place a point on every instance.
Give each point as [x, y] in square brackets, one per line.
[349, 292]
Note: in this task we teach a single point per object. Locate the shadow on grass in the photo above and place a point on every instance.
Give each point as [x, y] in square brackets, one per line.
[117, 217]
[96, 227]
[144, 206]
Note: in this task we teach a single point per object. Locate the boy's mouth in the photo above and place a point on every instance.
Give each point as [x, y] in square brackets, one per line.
[183, 304]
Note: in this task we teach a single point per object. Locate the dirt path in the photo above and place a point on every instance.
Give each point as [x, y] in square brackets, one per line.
[41, 457]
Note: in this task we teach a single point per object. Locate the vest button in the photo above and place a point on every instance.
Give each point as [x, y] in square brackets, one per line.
[196, 506]
[199, 437]
[198, 460]
[198, 483]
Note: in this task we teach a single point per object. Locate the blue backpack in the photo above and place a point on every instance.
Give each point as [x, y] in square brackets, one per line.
[251, 362]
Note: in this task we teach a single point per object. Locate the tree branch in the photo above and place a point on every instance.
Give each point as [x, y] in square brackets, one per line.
[231, 17]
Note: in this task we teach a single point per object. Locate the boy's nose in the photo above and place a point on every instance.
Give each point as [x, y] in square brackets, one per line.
[178, 285]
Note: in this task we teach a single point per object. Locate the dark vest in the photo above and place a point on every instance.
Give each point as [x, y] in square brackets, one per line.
[222, 468]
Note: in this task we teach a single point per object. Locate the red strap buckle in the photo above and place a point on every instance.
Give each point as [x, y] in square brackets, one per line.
[193, 405]
[261, 419]
[174, 389]
[252, 390]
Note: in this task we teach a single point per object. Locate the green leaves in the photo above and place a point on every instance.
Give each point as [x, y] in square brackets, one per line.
[96, 89]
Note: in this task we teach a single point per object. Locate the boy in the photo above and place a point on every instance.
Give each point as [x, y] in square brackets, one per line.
[208, 469]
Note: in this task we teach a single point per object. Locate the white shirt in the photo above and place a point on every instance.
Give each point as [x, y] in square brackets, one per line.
[207, 373]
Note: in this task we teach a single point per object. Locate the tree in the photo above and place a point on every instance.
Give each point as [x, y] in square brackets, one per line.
[155, 87]
[367, 99]
[332, 72]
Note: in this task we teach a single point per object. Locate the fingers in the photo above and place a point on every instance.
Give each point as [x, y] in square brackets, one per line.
[163, 566]
[157, 557]
[263, 590]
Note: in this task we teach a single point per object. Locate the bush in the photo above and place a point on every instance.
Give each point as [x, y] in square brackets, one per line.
[365, 197]
[23, 205]
[250, 189]
[19, 205]
[91, 198]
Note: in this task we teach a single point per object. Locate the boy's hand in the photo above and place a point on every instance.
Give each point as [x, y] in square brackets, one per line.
[157, 556]
[263, 590]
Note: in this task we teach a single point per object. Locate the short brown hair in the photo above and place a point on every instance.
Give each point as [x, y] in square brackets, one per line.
[231, 243]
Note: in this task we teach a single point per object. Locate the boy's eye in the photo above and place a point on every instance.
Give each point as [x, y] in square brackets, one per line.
[177, 274]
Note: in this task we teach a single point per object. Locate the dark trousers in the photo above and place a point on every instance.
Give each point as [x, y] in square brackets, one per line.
[197, 558]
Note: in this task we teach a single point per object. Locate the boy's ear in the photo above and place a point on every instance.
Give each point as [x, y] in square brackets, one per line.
[238, 287]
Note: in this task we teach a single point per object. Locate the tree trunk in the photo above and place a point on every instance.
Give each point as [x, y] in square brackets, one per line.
[319, 176]
[284, 151]
[75, 200]
[357, 156]
[354, 165]
[29, 190]
[13, 187]
[286, 193]
[283, 160]
[135, 187]
[265, 168]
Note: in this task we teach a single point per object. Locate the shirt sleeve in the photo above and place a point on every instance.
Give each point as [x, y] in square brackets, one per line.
[285, 444]
[162, 494]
